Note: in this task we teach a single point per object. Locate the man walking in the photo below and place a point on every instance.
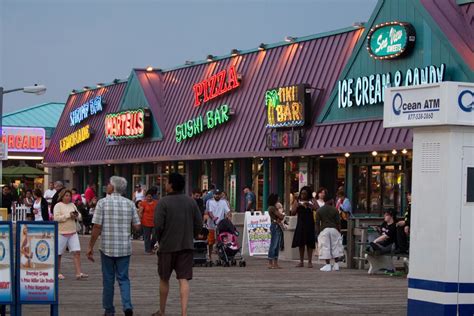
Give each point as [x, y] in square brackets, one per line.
[59, 187]
[113, 217]
[250, 199]
[177, 221]
[328, 227]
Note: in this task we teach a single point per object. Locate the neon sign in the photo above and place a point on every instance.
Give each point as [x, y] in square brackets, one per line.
[198, 125]
[91, 107]
[24, 139]
[284, 139]
[390, 40]
[286, 106]
[127, 124]
[75, 138]
[369, 90]
[218, 84]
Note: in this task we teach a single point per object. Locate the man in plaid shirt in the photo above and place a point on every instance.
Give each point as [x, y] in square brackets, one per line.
[113, 219]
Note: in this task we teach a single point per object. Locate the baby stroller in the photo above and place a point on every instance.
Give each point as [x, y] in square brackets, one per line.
[228, 247]
[200, 249]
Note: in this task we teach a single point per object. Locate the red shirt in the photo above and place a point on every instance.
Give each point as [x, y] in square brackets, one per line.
[89, 194]
[148, 217]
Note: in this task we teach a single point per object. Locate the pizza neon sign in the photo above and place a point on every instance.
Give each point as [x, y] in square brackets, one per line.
[216, 85]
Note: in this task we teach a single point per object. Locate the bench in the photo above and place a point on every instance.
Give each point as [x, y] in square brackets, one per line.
[385, 262]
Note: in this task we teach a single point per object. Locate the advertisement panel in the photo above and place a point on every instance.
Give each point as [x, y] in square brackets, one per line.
[6, 264]
[36, 263]
[257, 233]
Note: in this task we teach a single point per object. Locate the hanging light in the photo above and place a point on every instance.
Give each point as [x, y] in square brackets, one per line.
[149, 68]
[347, 155]
[374, 153]
[404, 151]
[394, 152]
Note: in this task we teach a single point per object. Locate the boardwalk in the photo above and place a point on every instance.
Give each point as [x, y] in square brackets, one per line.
[253, 290]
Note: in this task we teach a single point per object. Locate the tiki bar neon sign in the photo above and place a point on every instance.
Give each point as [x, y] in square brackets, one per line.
[216, 85]
[286, 106]
[198, 125]
[127, 124]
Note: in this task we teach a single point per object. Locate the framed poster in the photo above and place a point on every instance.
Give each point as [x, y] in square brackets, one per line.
[36, 262]
[6, 263]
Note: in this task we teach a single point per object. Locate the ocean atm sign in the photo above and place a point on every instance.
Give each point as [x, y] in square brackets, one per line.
[390, 40]
[428, 105]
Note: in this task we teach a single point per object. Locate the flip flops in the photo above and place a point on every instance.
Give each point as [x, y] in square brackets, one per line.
[81, 276]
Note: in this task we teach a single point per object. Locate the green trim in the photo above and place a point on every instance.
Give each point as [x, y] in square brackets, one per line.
[360, 48]
[350, 62]
[461, 2]
[30, 108]
[267, 47]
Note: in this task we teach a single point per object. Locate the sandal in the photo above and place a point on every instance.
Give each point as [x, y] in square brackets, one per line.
[300, 265]
[61, 276]
[81, 276]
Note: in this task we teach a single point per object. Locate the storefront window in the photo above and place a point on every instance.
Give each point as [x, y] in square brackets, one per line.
[377, 188]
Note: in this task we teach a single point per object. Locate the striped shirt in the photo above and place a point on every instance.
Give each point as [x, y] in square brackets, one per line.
[116, 214]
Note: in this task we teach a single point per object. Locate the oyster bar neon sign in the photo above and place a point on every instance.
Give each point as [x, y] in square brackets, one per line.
[216, 85]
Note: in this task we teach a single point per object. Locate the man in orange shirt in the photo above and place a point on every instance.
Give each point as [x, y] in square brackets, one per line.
[147, 214]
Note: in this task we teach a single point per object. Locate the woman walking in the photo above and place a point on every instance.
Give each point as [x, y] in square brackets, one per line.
[277, 233]
[305, 230]
[146, 211]
[40, 206]
[66, 214]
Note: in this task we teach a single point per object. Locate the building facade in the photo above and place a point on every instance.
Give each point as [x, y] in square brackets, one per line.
[276, 118]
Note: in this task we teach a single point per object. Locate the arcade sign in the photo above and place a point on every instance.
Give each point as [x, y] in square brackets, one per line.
[91, 107]
[24, 139]
[129, 124]
[216, 85]
[197, 125]
[75, 138]
[287, 106]
[287, 139]
[390, 40]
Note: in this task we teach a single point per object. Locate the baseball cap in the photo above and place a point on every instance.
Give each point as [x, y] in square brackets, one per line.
[217, 191]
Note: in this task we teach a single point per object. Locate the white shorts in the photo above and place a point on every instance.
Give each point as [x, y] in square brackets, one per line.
[330, 244]
[69, 241]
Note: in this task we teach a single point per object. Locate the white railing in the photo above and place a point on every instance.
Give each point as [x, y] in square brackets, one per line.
[19, 212]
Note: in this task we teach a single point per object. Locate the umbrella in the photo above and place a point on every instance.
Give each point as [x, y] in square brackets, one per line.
[23, 171]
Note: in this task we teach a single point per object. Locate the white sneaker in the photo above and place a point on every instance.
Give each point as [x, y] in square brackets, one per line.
[326, 268]
[335, 267]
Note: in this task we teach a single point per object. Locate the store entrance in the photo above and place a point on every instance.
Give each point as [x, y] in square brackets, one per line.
[377, 188]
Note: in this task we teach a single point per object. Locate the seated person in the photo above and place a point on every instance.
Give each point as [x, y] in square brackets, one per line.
[388, 235]
[403, 229]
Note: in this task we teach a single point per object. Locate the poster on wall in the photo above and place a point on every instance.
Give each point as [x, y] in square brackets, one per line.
[257, 234]
[233, 191]
[6, 264]
[36, 251]
[205, 182]
[303, 175]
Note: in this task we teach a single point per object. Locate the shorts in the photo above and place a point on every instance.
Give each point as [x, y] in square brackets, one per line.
[71, 241]
[330, 244]
[181, 262]
[211, 238]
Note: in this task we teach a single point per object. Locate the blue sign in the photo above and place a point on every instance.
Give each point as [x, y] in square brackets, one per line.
[6, 264]
[466, 100]
[91, 107]
[36, 264]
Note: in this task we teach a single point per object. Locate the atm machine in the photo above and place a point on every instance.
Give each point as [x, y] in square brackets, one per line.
[441, 277]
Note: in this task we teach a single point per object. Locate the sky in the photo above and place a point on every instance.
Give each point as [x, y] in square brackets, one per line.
[69, 44]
